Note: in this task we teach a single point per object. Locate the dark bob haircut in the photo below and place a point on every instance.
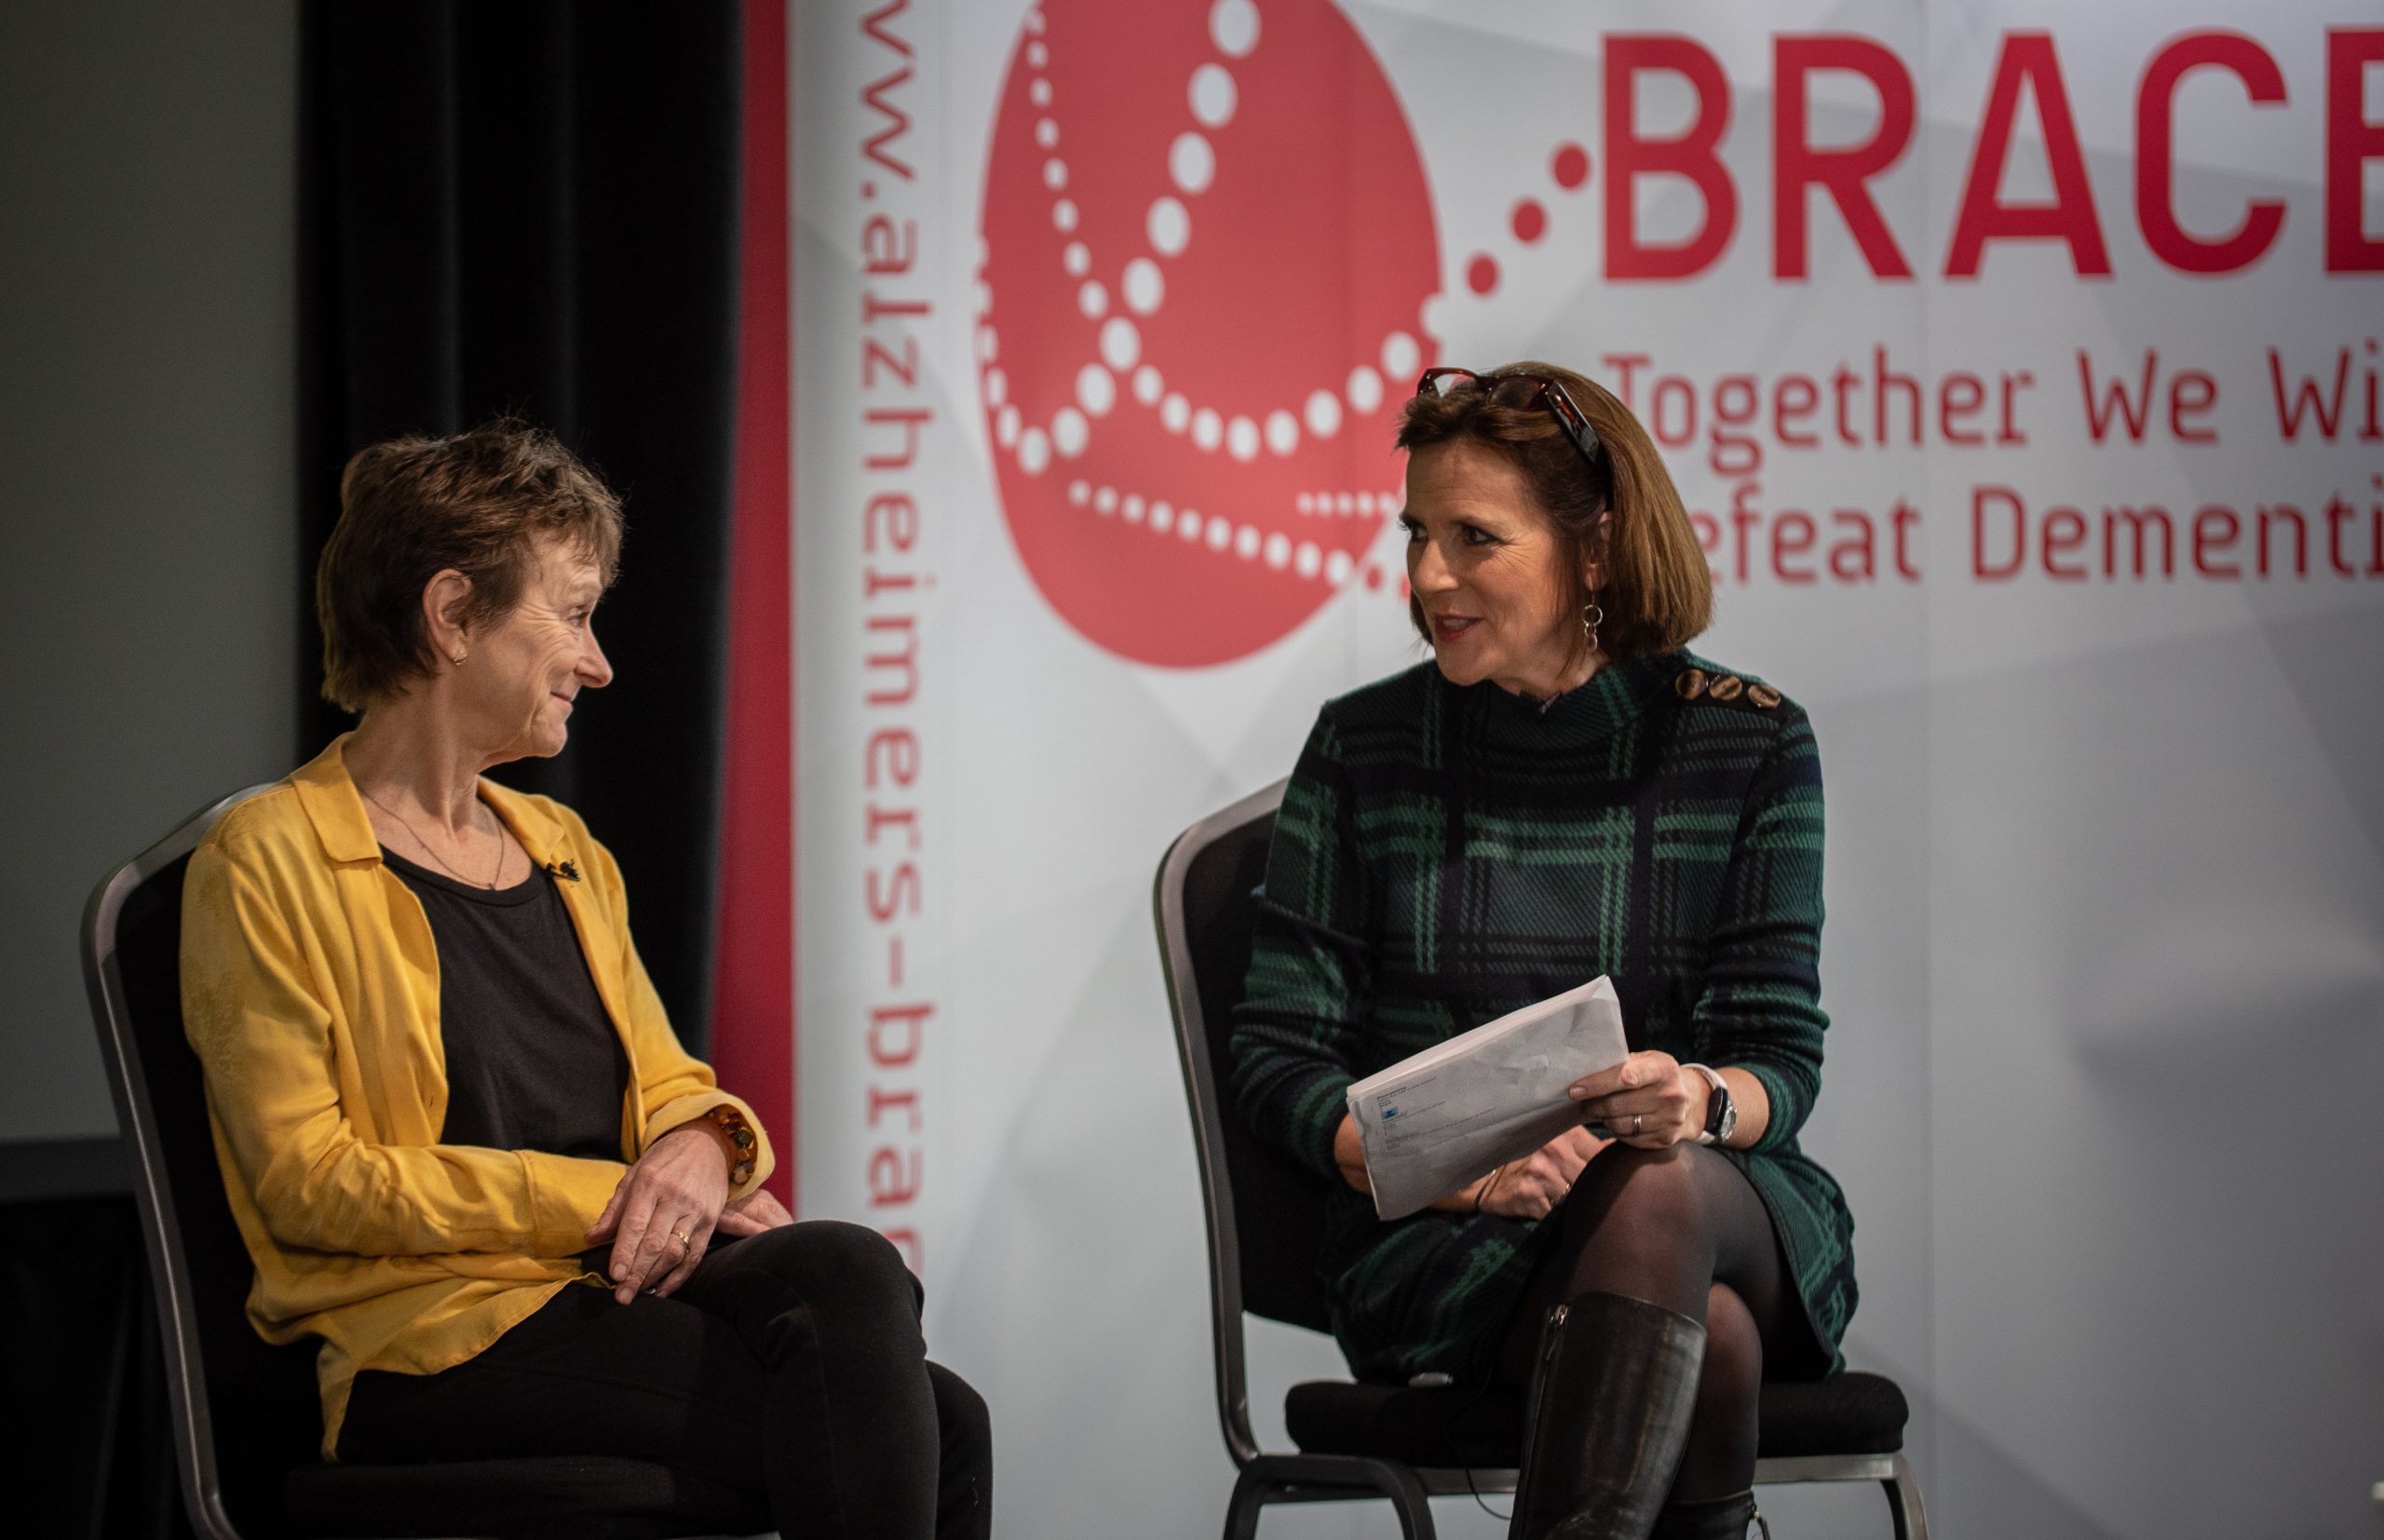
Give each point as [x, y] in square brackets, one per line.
[1622, 511]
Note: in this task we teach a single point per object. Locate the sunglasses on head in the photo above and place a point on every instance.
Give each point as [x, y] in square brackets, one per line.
[1523, 392]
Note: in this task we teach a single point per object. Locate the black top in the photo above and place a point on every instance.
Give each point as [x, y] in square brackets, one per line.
[532, 1061]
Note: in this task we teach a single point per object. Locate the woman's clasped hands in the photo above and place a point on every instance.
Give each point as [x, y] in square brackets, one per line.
[662, 1216]
[1649, 1100]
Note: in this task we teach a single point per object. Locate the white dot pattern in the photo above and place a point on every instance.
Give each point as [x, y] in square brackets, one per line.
[1120, 342]
[1213, 98]
[1168, 228]
[1366, 388]
[1345, 504]
[1221, 534]
[1233, 26]
[1192, 163]
[1144, 287]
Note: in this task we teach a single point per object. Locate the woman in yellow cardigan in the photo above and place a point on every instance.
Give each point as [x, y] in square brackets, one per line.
[461, 1140]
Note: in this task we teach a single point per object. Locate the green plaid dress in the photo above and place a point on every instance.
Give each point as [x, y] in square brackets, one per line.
[1445, 854]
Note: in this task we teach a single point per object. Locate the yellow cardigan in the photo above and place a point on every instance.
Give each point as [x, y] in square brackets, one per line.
[310, 993]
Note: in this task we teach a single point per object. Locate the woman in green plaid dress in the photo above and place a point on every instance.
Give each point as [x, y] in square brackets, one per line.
[1562, 792]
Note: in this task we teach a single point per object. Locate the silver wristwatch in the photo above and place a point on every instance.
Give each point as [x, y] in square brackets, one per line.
[1721, 1109]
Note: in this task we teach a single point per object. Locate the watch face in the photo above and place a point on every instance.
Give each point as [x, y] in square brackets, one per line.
[1723, 1118]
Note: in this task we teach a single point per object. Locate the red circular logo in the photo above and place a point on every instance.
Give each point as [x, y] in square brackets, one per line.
[1208, 243]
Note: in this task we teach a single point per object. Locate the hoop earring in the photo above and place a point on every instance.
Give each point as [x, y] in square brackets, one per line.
[1592, 617]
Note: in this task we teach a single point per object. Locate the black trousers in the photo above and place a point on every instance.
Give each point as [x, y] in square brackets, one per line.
[790, 1365]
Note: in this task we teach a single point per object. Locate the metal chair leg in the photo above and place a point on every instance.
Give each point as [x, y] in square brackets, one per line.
[1250, 1495]
[1252, 1492]
[1408, 1495]
[1903, 1503]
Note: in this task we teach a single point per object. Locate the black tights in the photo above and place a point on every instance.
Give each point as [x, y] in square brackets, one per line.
[1681, 1228]
[789, 1366]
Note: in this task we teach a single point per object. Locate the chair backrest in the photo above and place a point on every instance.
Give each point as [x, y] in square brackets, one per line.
[1266, 1212]
[245, 1411]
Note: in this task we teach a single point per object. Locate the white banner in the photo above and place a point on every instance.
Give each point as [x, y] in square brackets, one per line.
[2021, 364]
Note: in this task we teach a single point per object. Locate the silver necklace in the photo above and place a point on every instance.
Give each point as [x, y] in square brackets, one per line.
[495, 872]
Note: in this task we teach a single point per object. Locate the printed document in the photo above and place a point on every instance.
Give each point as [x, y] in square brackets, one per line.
[1432, 1123]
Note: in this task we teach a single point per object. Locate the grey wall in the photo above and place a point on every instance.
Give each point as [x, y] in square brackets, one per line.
[148, 398]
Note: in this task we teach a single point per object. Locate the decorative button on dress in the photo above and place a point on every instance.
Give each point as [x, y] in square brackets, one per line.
[1445, 854]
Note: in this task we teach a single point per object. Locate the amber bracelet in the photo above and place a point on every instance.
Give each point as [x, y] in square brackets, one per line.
[744, 1148]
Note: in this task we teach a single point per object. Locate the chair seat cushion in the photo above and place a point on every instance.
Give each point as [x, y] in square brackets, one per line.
[563, 1497]
[1848, 1413]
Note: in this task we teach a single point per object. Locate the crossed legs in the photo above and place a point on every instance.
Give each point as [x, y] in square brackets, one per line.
[1680, 1228]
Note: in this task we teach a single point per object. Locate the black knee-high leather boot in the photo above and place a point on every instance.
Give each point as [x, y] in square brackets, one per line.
[1611, 1399]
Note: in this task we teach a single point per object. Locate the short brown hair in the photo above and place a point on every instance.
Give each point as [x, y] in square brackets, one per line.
[1658, 592]
[411, 508]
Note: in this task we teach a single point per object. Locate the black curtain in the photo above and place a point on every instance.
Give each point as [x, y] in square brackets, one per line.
[82, 1363]
[530, 206]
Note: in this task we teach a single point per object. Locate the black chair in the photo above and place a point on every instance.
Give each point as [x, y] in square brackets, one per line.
[246, 1423]
[1407, 1444]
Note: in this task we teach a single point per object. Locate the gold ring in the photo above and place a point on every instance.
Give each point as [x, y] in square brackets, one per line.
[680, 1237]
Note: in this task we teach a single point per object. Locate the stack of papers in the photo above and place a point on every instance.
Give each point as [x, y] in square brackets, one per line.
[1432, 1123]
